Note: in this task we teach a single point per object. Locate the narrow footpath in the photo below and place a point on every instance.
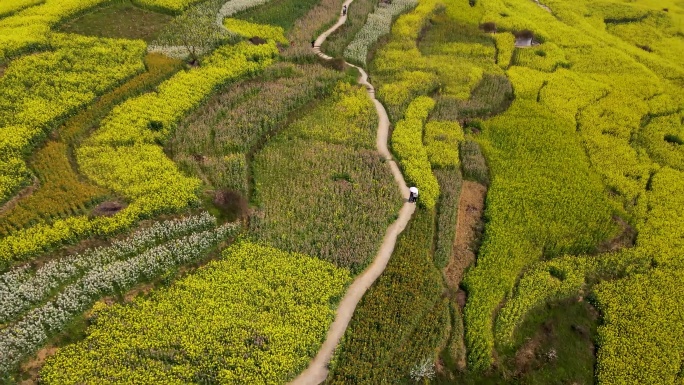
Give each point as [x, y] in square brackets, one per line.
[317, 371]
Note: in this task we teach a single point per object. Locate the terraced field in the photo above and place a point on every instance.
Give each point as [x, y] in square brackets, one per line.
[214, 191]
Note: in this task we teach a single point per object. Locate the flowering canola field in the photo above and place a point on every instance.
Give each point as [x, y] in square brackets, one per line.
[254, 316]
[582, 133]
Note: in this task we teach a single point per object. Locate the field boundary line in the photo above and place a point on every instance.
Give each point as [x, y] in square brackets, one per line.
[317, 370]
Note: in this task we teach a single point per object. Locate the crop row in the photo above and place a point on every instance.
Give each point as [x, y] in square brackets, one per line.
[257, 315]
[407, 144]
[21, 288]
[238, 126]
[232, 7]
[11, 6]
[377, 25]
[609, 92]
[442, 139]
[400, 321]
[450, 181]
[455, 30]
[123, 155]
[663, 138]
[28, 334]
[641, 340]
[167, 6]
[29, 30]
[321, 187]
[544, 57]
[248, 30]
[492, 95]
[543, 282]
[283, 13]
[38, 90]
[505, 45]
[62, 192]
[404, 72]
[562, 278]
[305, 28]
[357, 15]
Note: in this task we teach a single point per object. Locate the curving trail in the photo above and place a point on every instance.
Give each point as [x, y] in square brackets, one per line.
[317, 371]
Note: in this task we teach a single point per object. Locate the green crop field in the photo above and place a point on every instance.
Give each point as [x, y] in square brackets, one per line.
[191, 193]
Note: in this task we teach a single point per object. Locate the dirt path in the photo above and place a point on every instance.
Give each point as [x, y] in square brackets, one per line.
[545, 7]
[470, 210]
[25, 192]
[317, 371]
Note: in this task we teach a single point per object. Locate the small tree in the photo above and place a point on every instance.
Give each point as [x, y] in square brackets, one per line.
[195, 30]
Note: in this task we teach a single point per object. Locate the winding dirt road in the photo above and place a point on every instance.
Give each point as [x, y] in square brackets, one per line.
[317, 371]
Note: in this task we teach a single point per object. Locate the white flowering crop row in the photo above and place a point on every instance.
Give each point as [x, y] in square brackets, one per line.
[234, 6]
[21, 289]
[378, 24]
[30, 333]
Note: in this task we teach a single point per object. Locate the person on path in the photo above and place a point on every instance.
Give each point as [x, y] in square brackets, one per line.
[312, 43]
[413, 194]
[344, 10]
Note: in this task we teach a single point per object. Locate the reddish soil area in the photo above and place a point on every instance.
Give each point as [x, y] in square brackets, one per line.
[468, 229]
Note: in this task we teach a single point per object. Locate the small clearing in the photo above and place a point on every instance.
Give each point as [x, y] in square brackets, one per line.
[119, 20]
[559, 347]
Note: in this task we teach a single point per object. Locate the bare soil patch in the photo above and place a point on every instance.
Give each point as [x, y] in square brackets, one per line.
[526, 356]
[469, 227]
[231, 203]
[468, 230]
[108, 209]
[461, 299]
[33, 366]
[625, 239]
[538, 350]
[143, 289]
[256, 40]
[199, 158]
[344, 185]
